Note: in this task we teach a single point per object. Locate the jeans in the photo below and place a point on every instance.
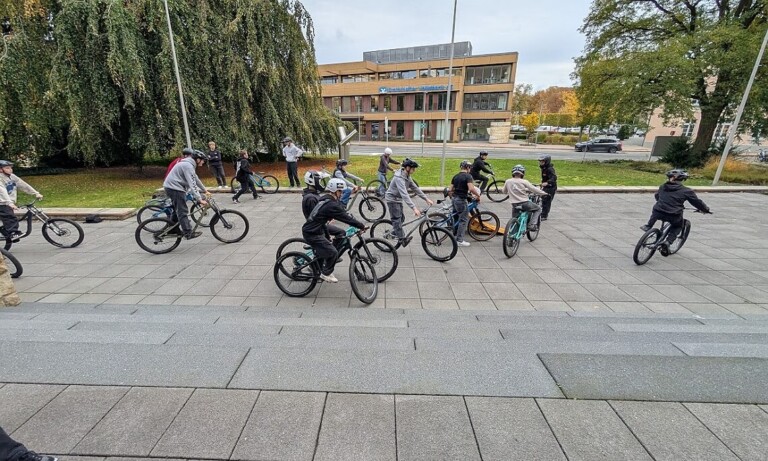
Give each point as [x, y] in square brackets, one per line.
[546, 201]
[345, 196]
[383, 178]
[10, 450]
[293, 173]
[218, 173]
[531, 207]
[181, 215]
[460, 208]
[396, 215]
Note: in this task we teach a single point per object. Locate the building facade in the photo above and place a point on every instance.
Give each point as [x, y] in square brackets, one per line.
[405, 90]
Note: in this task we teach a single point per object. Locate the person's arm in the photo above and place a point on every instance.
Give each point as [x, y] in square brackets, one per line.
[694, 200]
[486, 169]
[474, 190]
[533, 189]
[192, 180]
[26, 188]
[354, 177]
[391, 160]
[552, 175]
[338, 213]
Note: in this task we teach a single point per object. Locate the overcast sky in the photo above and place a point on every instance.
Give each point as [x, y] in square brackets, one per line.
[544, 32]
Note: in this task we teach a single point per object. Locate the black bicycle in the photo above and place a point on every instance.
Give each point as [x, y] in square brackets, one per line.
[653, 239]
[12, 264]
[59, 232]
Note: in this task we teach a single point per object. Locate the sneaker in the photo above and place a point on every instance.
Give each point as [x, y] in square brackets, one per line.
[255, 196]
[193, 235]
[329, 278]
[543, 218]
[533, 228]
[664, 249]
[222, 187]
[645, 228]
[15, 236]
[234, 200]
[463, 243]
[405, 241]
[32, 456]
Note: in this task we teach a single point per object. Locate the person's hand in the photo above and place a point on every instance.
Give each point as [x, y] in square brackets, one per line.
[429, 202]
[204, 202]
[39, 196]
[357, 188]
[543, 184]
[14, 207]
[416, 212]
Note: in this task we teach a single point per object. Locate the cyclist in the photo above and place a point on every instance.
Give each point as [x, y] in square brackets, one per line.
[478, 166]
[398, 192]
[548, 183]
[311, 195]
[518, 189]
[9, 182]
[384, 161]
[183, 179]
[669, 206]
[315, 229]
[243, 176]
[462, 185]
[341, 173]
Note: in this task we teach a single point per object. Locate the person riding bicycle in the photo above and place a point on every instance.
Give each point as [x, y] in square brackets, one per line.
[341, 173]
[478, 166]
[462, 184]
[669, 206]
[315, 230]
[381, 174]
[311, 195]
[398, 192]
[518, 189]
[243, 176]
[548, 184]
[9, 182]
[181, 180]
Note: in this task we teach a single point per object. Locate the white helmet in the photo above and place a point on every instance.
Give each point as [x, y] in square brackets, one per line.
[312, 178]
[336, 184]
[387, 151]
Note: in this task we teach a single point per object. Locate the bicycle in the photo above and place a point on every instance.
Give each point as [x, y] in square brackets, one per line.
[653, 239]
[439, 243]
[481, 226]
[162, 235]
[297, 273]
[518, 225]
[59, 232]
[14, 266]
[266, 182]
[495, 190]
[374, 186]
[159, 207]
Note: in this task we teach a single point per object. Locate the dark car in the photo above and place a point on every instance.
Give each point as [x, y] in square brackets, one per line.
[599, 145]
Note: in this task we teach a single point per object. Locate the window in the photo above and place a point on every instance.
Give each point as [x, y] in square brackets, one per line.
[407, 74]
[328, 80]
[358, 103]
[347, 79]
[400, 129]
[487, 75]
[385, 76]
[418, 103]
[485, 101]
[400, 103]
[387, 103]
[336, 104]
[374, 103]
[721, 130]
[688, 127]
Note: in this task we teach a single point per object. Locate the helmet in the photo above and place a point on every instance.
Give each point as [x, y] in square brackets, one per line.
[287, 139]
[387, 151]
[342, 162]
[312, 178]
[682, 175]
[198, 155]
[545, 157]
[518, 169]
[187, 151]
[483, 152]
[465, 164]
[336, 184]
[409, 163]
[5, 163]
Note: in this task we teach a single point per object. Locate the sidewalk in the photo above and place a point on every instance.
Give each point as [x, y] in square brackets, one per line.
[488, 146]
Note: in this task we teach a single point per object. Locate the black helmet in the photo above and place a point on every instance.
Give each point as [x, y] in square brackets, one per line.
[681, 175]
[5, 163]
[518, 169]
[287, 139]
[483, 152]
[341, 162]
[465, 164]
[199, 155]
[187, 151]
[545, 157]
[409, 163]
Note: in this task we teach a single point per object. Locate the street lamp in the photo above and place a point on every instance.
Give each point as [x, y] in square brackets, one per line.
[423, 120]
[446, 127]
[178, 75]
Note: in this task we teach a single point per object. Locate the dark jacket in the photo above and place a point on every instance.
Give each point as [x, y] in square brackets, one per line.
[478, 166]
[214, 157]
[671, 198]
[548, 175]
[330, 209]
[309, 199]
[243, 170]
[384, 162]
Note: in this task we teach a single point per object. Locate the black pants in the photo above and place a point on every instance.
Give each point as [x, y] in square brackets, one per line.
[293, 173]
[483, 181]
[675, 223]
[181, 215]
[10, 450]
[546, 201]
[325, 252]
[218, 173]
[10, 223]
[245, 185]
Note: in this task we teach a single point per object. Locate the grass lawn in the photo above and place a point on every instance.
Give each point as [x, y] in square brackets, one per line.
[131, 187]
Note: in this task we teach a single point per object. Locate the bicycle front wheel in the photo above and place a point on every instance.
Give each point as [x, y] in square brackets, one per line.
[483, 226]
[382, 229]
[269, 184]
[680, 240]
[201, 215]
[293, 244]
[511, 242]
[151, 211]
[534, 234]
[63, 233]
[495, 191]
[372, 208]
[229, 226]
[439, 244]
[362, 277]
[374, 186]
[154, 235]
[295, 274]
[13, 264]
[383, 257]
[646, 246]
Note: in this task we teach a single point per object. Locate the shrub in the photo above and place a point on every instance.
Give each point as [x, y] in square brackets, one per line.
[679, 155]
[736, 171]
[624, 132]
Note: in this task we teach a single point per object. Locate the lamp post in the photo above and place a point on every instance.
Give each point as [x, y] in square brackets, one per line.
[446, 127]
[423, 120]
[178, 76]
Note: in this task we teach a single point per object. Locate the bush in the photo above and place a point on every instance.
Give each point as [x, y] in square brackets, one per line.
[624, 132]
[736, 171]
[679, 155]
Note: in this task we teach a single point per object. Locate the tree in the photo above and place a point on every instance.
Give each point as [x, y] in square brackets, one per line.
[530, 122]
[521, 100]
[672, 54]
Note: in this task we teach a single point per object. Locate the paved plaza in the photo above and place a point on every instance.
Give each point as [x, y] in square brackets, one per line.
[566, 351]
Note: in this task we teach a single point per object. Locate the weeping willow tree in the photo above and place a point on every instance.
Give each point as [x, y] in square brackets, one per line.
[100, 88]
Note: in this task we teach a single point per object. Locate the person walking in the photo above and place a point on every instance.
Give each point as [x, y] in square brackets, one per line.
[216, 165]
[243, 176]
[548, 184]
[462, 184]
[292, 154]
[384, 161]
[11, 450]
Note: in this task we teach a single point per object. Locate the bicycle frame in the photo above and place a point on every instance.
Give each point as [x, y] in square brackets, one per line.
[32, 211]
[453, 217]
[345, 246]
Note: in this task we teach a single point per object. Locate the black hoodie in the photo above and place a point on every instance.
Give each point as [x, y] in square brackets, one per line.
[671, 198]
[330, 209]
[548, 174]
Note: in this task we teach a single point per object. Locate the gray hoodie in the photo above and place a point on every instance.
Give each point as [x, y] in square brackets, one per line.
[399, 186]
[183, 178]
[8, 186]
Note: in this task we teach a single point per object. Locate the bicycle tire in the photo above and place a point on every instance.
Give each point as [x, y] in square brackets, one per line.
[154, 231]
[495, 191]
[8, 243]
[362, 278]
[385, 259]
[150, 211]
[511, 243]
[201, 215]
[57, 231]
[12, 264]
[438, 219]
[533, 235]
[646, 246]
[435, 239]
[382, 229]
[372, 208]
[483, 226]
[295, 274]
[269, 184]
[229, 226]
[292, 244]
[681, 238]
[373, 187]
[232, 187]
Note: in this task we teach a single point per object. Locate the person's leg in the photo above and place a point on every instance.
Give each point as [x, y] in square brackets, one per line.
[546, 201]
[296, 174]
[325, 252]
[335, 231]
[244, 185]
[535, 211]
[293, 175]
[179, 202]
[383, 178]
[675, 226]
[290, 173]
[460, 208]
[10, 449]
[220, 177]
[396, 215]
[10, 223]
[345, 195]
[483, 183]
[252, 186]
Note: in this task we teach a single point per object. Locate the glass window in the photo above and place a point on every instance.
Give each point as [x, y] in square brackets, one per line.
[475, 101]
[362, 128]
[469, 77]
[467, 101]
[374, 131]
[387, 103]
[328, 80]
[400, 129]
[493, 101]
[502, 101]
[408, 74]
[346, 104]
[347, 78]
[688, 127]
[431, 102]
[336, 104]
[358, 103]
[385, 76]
[441, 101]
[400, 102]
[487, 75]
[484, 101]
[374, 103]
[418, 101]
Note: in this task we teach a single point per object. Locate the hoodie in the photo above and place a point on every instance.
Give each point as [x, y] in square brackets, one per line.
[183, 178]
[548, 174]
[8, 186]
[671, 198]
[399, 186]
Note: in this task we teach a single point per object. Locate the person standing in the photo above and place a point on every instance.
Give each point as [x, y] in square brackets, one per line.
[216, 165]
[182, 180]
[548, 184]
[243, 176]
[462, 185]
[11, 450]
[292, 154]
[384, 161]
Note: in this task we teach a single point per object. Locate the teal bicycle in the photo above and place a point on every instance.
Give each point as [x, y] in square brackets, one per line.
[266, 182]
[518, 226]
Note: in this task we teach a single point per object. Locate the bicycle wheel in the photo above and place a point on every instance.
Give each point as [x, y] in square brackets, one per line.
[269, 184]
[201, 215]
[483, 226]
[13, 264]
[362, 277]
[151, 211]
[373, 187]
[293, 244]
[229, 226]
[63, 233]
[646, 246]
[156, 235]
[533, 235]
[372, 208]
[438, 219]
[439, 244]
[382, 229]
[234, 185]
[511, 242]
[681, 238]
[295, 274]
[383, 254]
[495, 191]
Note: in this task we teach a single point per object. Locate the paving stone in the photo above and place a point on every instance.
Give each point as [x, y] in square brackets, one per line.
[743, 428]
[456, 332]
[283, 341]
[135, 424]
[64, 421]
[636, 327]
[547, 344]
[430, 427]
[357, 427]
[669, 431]
[591, 430]
[724, 350]
[314, 322]
[19, 402]
[37, 325]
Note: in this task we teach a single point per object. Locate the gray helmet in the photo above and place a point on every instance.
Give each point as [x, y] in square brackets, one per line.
[545, 157]
[199, 155]
[341, 162]
[483, 152]
[465, 164]
[5, 163]
[680, 175]
[187, 151]
[518, 169]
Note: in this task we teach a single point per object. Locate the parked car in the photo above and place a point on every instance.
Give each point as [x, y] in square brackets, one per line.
[599, 145]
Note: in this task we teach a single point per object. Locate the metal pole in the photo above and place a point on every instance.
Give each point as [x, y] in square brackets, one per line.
[423, 121]
[446, 128]
[739, 111]
[178, 76]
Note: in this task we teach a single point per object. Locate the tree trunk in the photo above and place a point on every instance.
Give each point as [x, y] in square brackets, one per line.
[710, 115]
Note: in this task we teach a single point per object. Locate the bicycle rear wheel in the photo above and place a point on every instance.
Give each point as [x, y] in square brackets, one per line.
[646, 246]
[373, 187]
[511, 242]
[681, 238]
[437, 219]
[362, 278]
[63, 233]
[154, 235]
[383, 254]
[292, 244]
[14, 266]
[495, 191]
[483, 226]
[439, 244]
[533, 235]
[296, 274]
[382, 229]
[372, 208]
[269, 184]
[229, 226]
